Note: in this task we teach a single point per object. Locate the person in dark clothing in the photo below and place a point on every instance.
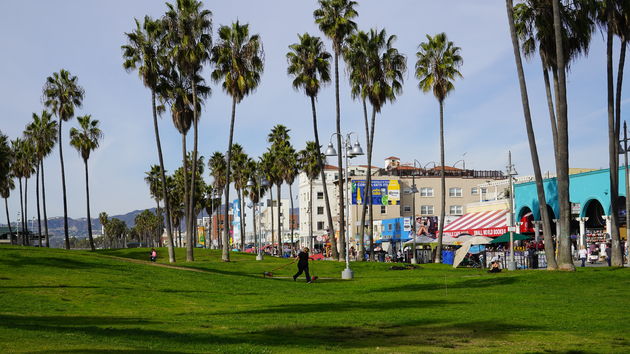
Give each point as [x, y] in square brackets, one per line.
[302, 265]
[608, 253]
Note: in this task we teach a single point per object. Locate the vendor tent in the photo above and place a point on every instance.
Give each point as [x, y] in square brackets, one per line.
[421, 240]
[462, 251]
[486, 223]
[506, 238]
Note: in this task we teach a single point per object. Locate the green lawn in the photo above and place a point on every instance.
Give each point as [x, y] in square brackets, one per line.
[76, 301]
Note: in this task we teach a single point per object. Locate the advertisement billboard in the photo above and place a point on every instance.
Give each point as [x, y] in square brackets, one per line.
[384, 192]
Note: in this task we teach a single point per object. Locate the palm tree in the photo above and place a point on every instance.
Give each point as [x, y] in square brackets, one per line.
[43, 132]
[62, 94]
[240, 176]
[309, 163]
[86, 139]
[6, 176]
[385, 66]
[437, 67]
[542, 201]
[290, 172]
[103, 218]
[23, 166]
[279, 139]
[142, 52]
[239, 63]
[189, 34]
[152, 178]
[335, 20]
[218, 166]
[269, 170]
[309, 64]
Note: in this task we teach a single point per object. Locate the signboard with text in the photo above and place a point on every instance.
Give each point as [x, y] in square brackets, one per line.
[384, 192]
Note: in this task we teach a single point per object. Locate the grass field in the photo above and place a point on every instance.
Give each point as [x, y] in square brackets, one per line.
[75, 301]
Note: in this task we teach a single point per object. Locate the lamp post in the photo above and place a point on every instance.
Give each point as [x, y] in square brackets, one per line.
[414, 190]
[511, 172]
[463, 163]
[262, 182]
[352, 151]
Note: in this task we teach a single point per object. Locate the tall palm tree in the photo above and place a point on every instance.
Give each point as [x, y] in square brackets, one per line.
[24, 167]
[335, 20]
[268, 169]
[437, 67]
[383, 81]
[279, 139]
[6, 175]
[189, 34]
[6, 186]
[153, 180]
[43, 132]
[290, 172]
[309, 64]
[218, 167]
[86, 139]
[18, 172]
[240, 177]
[309, 163]
[143, 51]
[239, 63]
[62, 94]
[542, 201]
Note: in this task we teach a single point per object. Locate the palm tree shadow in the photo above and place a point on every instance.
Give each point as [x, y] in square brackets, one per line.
[467, 284]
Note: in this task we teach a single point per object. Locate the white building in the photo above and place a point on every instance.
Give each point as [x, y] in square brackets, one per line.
[267, 224]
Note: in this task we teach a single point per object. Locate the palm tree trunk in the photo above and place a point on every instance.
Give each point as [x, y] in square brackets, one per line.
[564, 252]
[192, 223]
[167, 204]
[226, 252]
[22, 211]
[39, 218]
[63, 188]
[239, 192]
[616, 253]
[87, 194]
[542, 202]
[369, 180]
[6, 208]
[331, 225]
[367, 186]
[44, 205]
[279, 221]
[310, 215]
[342, 226]
[550, 106]
[438, 251]
[27, 238]
[186, 200]
[290, 220]
[273, 234]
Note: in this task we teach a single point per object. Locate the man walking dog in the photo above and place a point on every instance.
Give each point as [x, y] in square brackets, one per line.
[302, 265]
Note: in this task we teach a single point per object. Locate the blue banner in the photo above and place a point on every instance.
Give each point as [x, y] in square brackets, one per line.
[384, 192]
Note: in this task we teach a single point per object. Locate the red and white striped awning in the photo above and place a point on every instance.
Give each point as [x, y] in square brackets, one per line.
[484, 223]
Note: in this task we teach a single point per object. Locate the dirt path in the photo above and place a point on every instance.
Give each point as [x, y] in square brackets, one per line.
[155, 264]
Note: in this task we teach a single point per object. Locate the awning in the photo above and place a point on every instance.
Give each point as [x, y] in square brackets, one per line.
[484, 223]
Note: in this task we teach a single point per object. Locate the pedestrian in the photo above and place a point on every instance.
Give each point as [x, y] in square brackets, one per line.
[302, 265]
[608, 253]
[582, 254]
[153, 254]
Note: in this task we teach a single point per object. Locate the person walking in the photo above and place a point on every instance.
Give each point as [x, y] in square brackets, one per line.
[608, 253]
[153, 254]
[302, 265]
[582, 253]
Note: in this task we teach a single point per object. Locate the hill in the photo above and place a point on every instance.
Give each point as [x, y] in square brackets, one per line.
[58, 301]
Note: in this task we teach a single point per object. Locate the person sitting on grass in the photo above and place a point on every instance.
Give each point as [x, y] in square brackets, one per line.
[153, 254]
[302, 265]
[494, 268]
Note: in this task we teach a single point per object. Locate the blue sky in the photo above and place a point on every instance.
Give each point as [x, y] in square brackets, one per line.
[483, 115]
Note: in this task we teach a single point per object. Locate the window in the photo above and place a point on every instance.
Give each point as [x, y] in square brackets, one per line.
[320, 225]
[426, 209]
[474, 191]
[455, 192]
[407, 209]
[320, 195]
[484, 190]
[389, 227]
[456, 210]
[426, 192]
[383, 209]
[320, 210]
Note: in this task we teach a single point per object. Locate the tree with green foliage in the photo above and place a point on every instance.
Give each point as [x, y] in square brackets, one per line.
[335, 19]
[280, 142]
[144, 49]
[43, 132]
[86, 139]
[218, 167]
[239, 63]
[23, 167]
[6, 176]
[309, 162]
[240, 176]
[437, 67]
[309, 65]
[62, 94]
[377, 72]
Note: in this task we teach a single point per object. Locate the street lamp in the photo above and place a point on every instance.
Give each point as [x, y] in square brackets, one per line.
[352, 151]
[262, 182]
[463, 164]
[511, 172]
[414, 190]
[428, 163]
